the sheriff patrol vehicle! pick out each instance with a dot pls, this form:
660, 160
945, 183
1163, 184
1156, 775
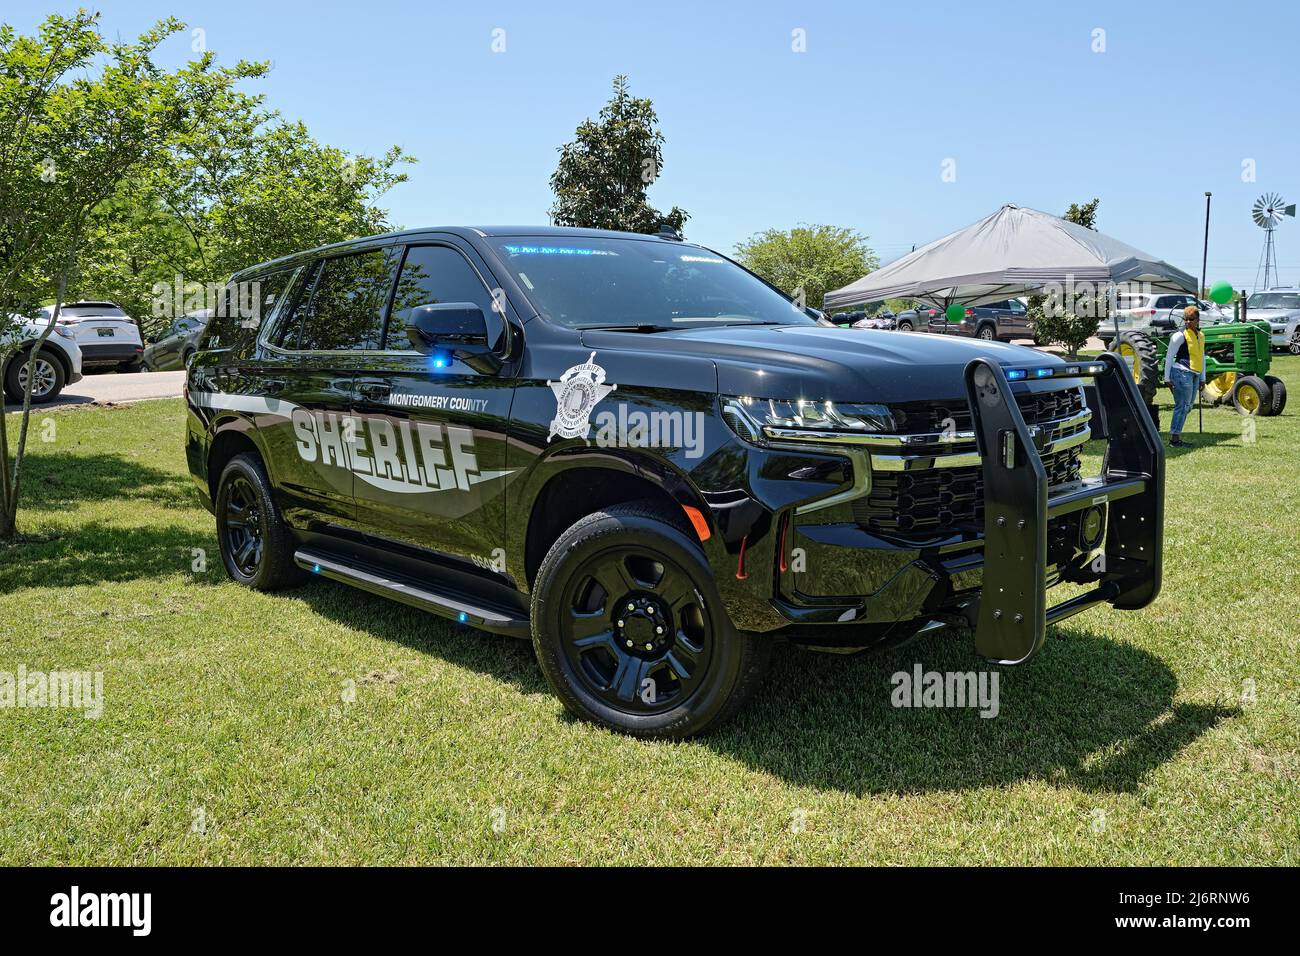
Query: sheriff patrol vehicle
652, 463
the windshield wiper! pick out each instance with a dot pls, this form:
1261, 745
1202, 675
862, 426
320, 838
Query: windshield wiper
643, 327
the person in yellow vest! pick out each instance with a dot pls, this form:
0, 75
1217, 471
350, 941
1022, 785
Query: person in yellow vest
1185, 371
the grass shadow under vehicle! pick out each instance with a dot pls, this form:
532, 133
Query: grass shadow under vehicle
1088, 712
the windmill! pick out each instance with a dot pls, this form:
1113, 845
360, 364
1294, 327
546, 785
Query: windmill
1267, 213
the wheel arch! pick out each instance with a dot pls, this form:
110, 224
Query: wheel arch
594, 482
24, 348
231, 437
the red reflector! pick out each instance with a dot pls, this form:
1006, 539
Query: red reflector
698, 522
785, 526
740, 564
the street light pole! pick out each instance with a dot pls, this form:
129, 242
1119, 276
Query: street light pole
1205, 249
1205, 255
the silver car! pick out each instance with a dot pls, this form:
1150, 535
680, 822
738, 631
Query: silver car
1280, 308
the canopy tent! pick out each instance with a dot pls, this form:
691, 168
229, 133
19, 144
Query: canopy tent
1010, 253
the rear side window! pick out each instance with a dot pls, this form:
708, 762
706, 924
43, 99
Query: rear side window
430, 275
346, 311
244, 307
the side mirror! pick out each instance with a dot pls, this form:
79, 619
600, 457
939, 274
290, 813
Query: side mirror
458, 327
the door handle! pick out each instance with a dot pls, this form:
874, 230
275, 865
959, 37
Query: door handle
374, 391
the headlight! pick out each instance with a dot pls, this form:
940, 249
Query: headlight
760, 419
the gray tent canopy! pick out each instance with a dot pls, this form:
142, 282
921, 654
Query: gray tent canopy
1012, 252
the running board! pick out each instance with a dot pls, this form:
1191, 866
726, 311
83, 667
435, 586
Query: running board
417, 594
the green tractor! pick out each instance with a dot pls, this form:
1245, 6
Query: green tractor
1236, 370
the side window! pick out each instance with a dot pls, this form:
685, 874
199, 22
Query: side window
433, 274
346, 312
1016, 306
242, 309
1169, 301
288, 330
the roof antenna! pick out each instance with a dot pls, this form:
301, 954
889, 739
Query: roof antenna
666, 231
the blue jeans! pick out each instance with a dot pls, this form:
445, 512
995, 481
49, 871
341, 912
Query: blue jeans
1186, 384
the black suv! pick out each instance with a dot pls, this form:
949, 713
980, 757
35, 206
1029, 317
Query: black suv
652, 463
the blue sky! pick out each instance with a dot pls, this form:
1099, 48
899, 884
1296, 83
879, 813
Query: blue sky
853, 132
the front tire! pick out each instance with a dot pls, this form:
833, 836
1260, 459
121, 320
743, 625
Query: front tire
630, 631
905, 325
256, 544
1251, 396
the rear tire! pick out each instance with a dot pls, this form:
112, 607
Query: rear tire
630, 631
1251, 396
1277, 389
986, 332
256, 544
49, 378
1138, 350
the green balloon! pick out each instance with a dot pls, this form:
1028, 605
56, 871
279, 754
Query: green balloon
1221, 293
955, 312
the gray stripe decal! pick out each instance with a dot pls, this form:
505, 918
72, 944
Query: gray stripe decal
226, 401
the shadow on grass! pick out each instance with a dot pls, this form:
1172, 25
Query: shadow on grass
97, 553
1087, 712
52, 482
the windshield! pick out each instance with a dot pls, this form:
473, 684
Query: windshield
1274, 300
642, 283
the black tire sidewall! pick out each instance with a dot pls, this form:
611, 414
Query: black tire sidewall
276, 567
586, 539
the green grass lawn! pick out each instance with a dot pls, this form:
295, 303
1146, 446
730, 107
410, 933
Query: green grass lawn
327, 726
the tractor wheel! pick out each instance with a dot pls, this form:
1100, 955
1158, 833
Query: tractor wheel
1277, 388
1251, 396
1218, 390
1138, 350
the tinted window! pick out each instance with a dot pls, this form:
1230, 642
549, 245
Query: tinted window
346, 312
589, 282
430, 275
245, 305
107, 310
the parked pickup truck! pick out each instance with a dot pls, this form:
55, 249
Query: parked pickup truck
653, 464
996, 321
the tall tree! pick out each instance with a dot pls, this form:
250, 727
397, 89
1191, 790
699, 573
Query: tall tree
808, 259
1070, 320
603, 175
78, 116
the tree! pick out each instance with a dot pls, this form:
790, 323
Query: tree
242, 189
812, 259
78, 116
1084, 215
1069, 319
603, 175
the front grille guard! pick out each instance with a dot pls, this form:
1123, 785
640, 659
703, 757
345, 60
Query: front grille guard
1013, 613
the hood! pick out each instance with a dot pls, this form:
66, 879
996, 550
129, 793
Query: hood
845, 365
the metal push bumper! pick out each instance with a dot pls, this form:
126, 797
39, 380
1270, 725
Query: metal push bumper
1013, 613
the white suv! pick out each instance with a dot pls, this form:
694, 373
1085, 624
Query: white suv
57, 365
1280, 308
109, 338
1138, 311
